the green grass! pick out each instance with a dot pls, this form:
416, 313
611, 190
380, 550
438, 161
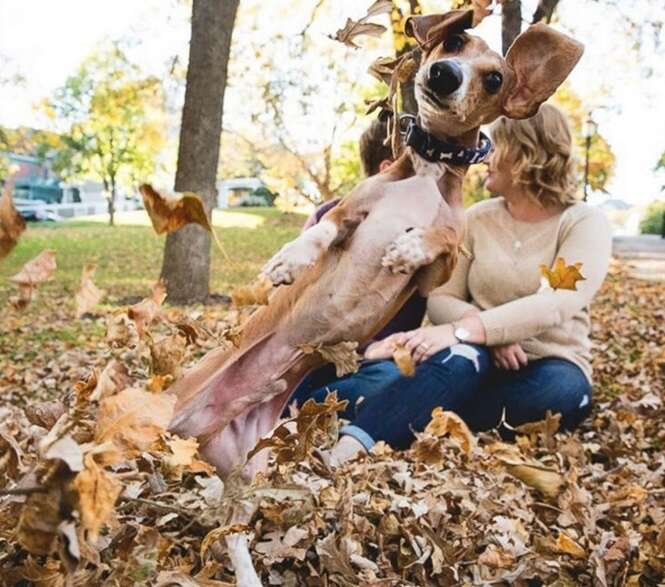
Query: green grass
129, 257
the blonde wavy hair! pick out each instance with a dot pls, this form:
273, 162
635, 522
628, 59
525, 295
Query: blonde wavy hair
539, 151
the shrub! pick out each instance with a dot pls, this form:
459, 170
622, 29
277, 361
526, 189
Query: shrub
653, 220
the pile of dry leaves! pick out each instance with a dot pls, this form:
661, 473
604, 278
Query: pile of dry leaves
97, 492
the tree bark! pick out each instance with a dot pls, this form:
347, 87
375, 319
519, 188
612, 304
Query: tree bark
186, 265
511, 23
544, 11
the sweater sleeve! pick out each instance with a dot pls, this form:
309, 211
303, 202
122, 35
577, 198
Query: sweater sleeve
589, 241
450, 301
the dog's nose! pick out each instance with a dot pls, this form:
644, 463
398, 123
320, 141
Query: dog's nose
445, 77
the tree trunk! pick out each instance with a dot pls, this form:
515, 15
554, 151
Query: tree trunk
544, 11
112, 203
186, 266
511, 23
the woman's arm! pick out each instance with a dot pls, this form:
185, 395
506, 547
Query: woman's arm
450, 301
588, 241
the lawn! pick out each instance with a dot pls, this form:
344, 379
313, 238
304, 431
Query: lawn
129, 256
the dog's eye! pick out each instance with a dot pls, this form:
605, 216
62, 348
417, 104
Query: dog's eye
453, 44
492, 82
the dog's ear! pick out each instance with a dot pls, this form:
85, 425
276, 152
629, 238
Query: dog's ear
431, 29
540, 59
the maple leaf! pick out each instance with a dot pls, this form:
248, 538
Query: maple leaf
343, 355
11, 221
404, 361
133, 419
88, 295
34, 272
357, 28
147, 310
562, 276
97, 492
182, 450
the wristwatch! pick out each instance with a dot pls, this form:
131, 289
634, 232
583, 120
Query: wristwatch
460, 333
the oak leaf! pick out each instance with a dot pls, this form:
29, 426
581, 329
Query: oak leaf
133, 419
97, 492
88, 295
11, 221
562, 276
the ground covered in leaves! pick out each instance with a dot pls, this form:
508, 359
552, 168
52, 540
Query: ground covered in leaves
96, 492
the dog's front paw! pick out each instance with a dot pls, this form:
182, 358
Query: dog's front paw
290, 262
407, 253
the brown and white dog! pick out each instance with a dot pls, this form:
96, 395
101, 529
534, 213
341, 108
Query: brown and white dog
396, 232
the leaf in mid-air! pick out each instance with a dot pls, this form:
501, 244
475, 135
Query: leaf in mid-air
169, 213
357, 28
562, 276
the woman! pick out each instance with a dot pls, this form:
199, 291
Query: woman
503, 347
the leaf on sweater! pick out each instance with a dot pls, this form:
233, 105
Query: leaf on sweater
343, 355
88, 295
133, 419
562, 276
11, 221
146, 311
97, 492
169, 213
404, 361
34, 272
256, 293
357, 28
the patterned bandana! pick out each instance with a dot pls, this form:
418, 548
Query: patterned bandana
436, 151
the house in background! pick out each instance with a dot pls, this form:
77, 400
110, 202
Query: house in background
243, 191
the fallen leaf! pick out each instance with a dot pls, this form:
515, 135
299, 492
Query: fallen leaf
67, 450
404, 361
11, 221
88, 295
133, 419
45, 414
343, 355
566, 545
113, 379
118, 331
97, 492
562, 276
147, 310
496, 557
445, 423
167, 355
182, 450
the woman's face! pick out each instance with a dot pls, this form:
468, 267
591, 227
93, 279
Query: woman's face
499, 177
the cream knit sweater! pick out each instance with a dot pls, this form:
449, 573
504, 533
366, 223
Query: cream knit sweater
503, 281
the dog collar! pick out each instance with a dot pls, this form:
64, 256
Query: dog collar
437, 151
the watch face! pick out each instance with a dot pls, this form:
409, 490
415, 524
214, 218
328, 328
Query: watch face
462, 333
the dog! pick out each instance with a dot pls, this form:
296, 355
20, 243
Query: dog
346, 277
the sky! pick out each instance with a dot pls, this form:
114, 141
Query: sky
44, 41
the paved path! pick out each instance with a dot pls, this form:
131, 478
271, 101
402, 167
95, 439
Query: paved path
644, 255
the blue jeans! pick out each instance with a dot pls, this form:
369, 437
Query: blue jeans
464, 380
371, 379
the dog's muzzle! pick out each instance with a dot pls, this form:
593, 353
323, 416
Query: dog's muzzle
444, 77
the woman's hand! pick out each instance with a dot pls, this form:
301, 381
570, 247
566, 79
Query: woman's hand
421, 342
509, 356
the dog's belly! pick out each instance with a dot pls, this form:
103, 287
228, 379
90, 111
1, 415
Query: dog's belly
354, 291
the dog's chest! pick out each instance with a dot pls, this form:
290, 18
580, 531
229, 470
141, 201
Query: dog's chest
410, 203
